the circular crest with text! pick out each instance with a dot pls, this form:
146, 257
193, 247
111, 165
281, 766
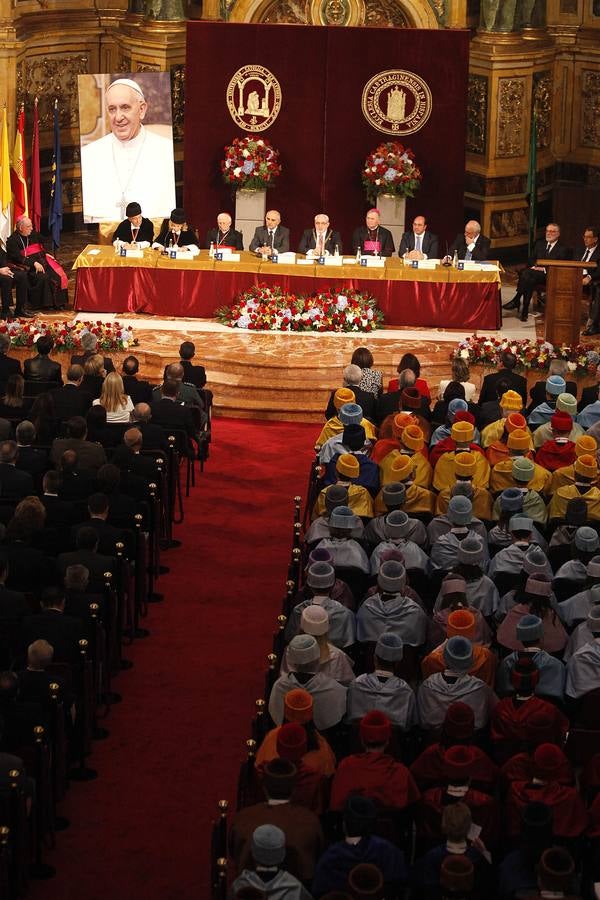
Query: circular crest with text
253, 98
396, 102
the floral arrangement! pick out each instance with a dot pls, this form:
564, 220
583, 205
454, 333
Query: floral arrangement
391, 169
68, 335
250, 163
538, 354
263, 308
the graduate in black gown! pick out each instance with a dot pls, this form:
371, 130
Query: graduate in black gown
135, 229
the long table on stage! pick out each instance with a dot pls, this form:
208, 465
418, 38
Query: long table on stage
155, 284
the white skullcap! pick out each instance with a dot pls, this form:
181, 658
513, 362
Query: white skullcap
128, 82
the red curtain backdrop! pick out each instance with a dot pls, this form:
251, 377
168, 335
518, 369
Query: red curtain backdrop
320, 131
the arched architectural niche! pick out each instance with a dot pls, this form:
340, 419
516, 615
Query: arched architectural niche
375, 13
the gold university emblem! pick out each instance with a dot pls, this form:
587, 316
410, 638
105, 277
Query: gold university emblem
253, 98
396, 102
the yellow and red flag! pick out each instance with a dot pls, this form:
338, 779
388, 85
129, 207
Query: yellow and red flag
18, 175
5, 191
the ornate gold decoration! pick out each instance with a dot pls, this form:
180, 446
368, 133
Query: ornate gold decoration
148, 67
125, 64
178, 100
385, 14
509, 139
334, 12
477, 100
509, 223
396, 102
253, 98
71, 192
287, 12
542, 104
590, 109
50, 78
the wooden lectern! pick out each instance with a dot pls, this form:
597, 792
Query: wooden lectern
563, 299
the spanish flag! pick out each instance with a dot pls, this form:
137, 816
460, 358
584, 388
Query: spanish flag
18, 175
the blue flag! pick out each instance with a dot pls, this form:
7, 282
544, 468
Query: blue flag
55, 209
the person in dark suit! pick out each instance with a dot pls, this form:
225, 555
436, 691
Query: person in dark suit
29, 458
13, 604
406, 399
59, 513
90, 455
140, 391
9, 278
122, 507
89, 344
169, 413
192, 374
419, 243
70, 400
590, 252
365, 399
176, 233
224, 235
515, 382
153, 435
320, 240
41, 368
8, 365
75, 484
270, 237
87, 555
98, 508
470, 245
372, 239
14, 483
135, 229
534, 276
589, 394
129, 458
62, 632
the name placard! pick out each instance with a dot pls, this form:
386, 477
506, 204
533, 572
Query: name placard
372, 262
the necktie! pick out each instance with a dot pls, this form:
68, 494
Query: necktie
586, 255
320, 245
468, 255
548, 247
418, 242
271, 238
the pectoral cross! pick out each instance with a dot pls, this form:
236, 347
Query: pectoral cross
122, 206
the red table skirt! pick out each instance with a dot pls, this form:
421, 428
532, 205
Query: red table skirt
197, 294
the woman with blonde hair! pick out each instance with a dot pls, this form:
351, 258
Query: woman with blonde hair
116, 402
460, 373
94, 374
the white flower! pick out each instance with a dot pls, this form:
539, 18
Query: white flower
245, 153
513, 349
125, 345
237, 171
464, 354
373, 168
378, 181
260, 143
572, 366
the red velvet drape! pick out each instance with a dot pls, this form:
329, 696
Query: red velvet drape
320, 132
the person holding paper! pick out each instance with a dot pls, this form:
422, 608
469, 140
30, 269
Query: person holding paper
135, 230
271, 238
472, 245
224, 237
175, 235
320, 240
534, 276
419, 243
372, 239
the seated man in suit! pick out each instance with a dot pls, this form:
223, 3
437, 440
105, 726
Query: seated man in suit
41, 368
507, 373
62, 632
419, 243
470, 245
8, 365
534, 276
140, 391
176, 234
320, 240
192, 373
29, 458
224, 235
271, 237
135, 230
90, 455
14, 483
373, 239
89, 344
169, 412
153, 435
86, 555
590, 252
70, 400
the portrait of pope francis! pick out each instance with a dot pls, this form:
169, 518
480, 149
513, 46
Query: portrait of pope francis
124, 158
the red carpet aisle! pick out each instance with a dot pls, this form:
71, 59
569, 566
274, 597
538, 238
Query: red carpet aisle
141, 829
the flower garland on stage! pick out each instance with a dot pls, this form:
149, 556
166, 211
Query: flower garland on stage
391, 169
68, 335
264, 308
250, 163
531, 354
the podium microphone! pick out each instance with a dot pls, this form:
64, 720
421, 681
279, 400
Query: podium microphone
447, 261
